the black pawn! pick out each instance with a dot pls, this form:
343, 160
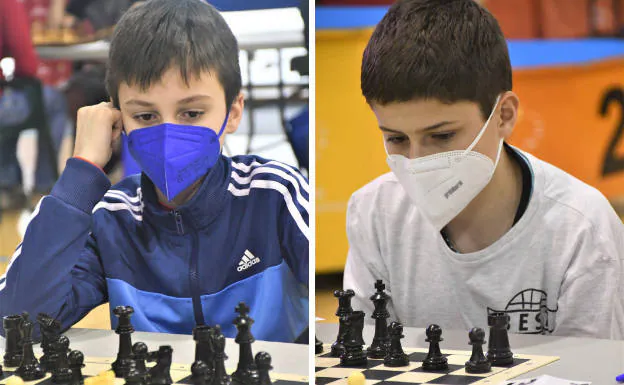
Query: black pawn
318, 346
499, 351
61, 373
200, 373
139, 355
29, 369
477, 363
124, 362
50, 332
203, 348
246, 372
218, 344
344, 309
76, 363
12, 325
396, 357
379, 346
354, 355
435, 361
136, 378
263, 362
160, 374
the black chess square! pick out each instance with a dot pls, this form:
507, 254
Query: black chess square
451, 368
185, 380
324, 380
420, 356
451, 379
372, 374
6, 374
398, 383
47, 381
326, 355
318, 368
516, 362
374, 363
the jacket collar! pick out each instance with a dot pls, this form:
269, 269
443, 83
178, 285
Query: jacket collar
195, 214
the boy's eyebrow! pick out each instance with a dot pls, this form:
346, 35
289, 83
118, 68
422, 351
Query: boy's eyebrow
189, 99
428, 128
194, 98
137, 102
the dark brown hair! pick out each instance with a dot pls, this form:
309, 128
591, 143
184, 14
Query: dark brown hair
449, 50
160, 34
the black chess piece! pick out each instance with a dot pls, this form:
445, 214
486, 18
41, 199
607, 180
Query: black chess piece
263, 363
246, 372
435, 361
344, 308
354, 355
200, 373
61, 373
139, 355
477, 363
50, 332
499, 352
12, 325
29, 369
203, 348
124, 361
396, 357
379, 346
220, 376
160, 374
76, 363
136, 377
318, 346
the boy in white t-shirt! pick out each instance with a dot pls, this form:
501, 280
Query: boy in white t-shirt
466, 225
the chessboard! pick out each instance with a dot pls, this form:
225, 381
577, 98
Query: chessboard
180, 373
329, 371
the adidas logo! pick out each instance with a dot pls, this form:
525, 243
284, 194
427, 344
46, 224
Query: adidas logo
247, 261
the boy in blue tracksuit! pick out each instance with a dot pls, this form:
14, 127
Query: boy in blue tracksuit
196, 232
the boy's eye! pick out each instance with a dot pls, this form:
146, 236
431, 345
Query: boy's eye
443, 135
192, 114
395, 139
144, 118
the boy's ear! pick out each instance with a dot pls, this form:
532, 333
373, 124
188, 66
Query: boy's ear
508, 113
236, 114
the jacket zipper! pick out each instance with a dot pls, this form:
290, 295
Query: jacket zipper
193, 270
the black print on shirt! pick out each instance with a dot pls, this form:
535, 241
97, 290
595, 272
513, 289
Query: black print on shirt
529, 313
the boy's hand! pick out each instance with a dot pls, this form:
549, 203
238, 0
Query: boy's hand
96, 129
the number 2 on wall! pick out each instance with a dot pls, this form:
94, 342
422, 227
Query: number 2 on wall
612, 163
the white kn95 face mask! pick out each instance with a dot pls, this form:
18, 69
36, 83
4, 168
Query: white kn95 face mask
442, 185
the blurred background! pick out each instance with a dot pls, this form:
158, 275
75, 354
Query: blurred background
568, 62
53, 57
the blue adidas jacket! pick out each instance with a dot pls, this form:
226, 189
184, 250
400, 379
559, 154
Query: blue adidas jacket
242, 237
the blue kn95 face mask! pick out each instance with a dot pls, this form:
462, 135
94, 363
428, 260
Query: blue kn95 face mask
174, 156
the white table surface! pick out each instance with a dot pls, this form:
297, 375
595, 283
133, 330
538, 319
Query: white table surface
259, 29
582, 359
286, 358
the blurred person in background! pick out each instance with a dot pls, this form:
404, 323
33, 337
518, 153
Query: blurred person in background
15, 42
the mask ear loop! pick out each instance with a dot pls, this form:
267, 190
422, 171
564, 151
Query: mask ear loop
227, 115
480, 134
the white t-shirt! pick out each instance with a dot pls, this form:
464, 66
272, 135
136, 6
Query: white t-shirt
556, 271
